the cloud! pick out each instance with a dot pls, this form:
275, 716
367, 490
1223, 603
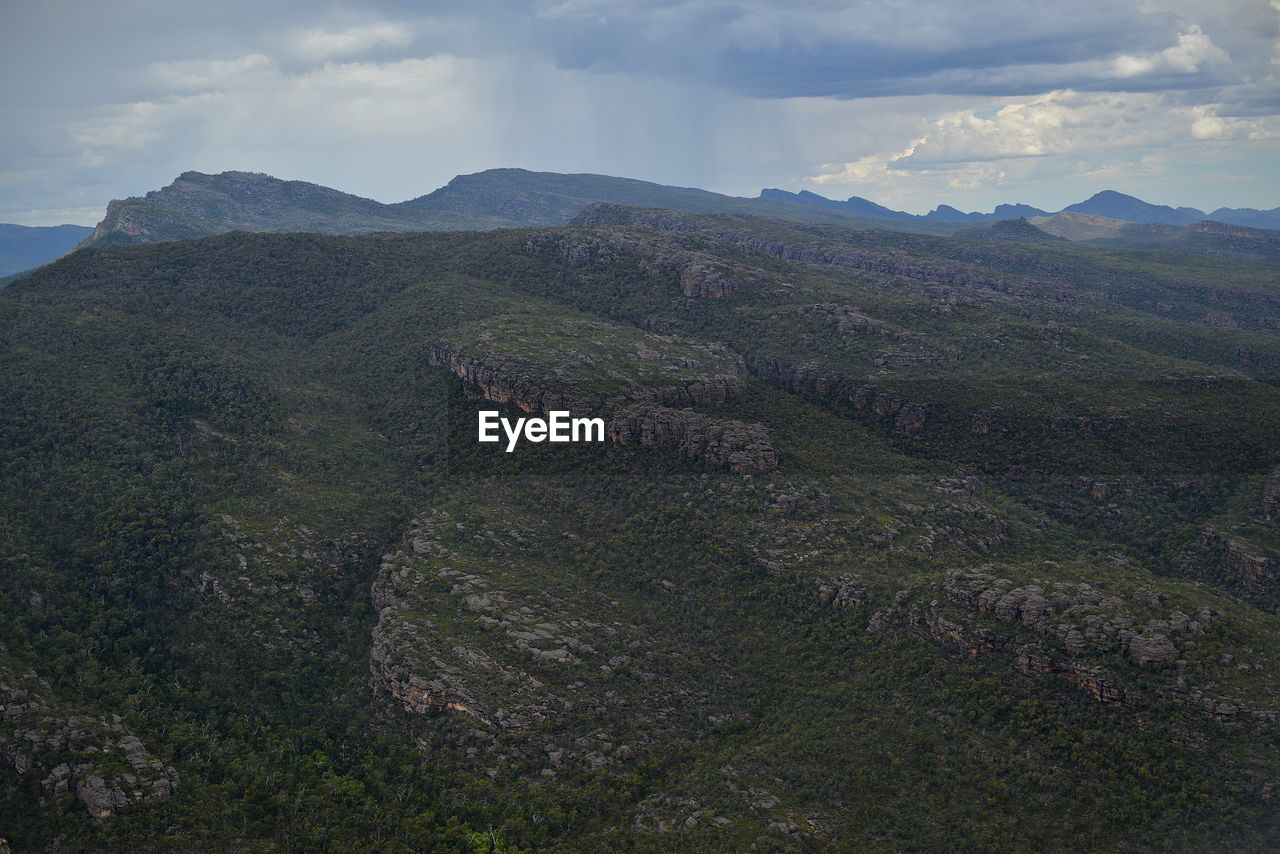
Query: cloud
1088, 135
1193, 51
352, 41
901, 101
863, 49
196, 75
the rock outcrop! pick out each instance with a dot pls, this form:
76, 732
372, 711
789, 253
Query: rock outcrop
94, 757
1114, 649
536, 388
637, 414
908, 418
532, 676
736, 445
1242, 563
1271, 496
699, 275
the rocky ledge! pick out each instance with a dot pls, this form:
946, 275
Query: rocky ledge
735, 445
908, 418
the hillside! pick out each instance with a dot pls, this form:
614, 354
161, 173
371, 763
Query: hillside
1009, 230
23, 247
886, 528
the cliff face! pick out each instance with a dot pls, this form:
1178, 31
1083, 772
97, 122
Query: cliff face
735, 445
1242, 563
908, 418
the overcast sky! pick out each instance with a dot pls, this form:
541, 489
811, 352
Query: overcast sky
910, 103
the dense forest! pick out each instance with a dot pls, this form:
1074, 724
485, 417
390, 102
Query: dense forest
890, 530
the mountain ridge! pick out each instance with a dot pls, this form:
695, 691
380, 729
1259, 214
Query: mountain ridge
198, 204
1106, 203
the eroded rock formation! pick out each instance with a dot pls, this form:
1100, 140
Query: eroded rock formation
94, 757
736, 445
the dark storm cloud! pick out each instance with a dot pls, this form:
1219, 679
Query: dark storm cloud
850, 50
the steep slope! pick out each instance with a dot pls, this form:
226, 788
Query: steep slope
1015, 543
24, 247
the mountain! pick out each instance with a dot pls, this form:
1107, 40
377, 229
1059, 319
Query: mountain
854, 204
1108, 204
1205, 237
859, 205
197, 205
1113, 205
23, 247
1009, 230
1016, 211
1249, 217
1079, 226
887, 534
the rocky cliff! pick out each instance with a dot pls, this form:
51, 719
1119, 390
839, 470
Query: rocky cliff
735, 445
908, 418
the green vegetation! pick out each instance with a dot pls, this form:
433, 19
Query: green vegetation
211, 451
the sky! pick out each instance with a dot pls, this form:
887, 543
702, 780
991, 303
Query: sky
910, 103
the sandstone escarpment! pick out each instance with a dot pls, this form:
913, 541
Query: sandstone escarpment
1114, 649
1242, 563
736, 445
908, 418
506, 385
699, 275
636, 367
93, 757
637, 414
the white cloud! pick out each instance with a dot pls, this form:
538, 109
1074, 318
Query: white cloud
196, 75
1194, 51
353, 41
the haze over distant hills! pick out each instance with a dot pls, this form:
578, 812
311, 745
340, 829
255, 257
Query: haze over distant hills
1107, 203
23, 247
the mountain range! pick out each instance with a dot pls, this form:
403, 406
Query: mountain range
198, 205
1107, 203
